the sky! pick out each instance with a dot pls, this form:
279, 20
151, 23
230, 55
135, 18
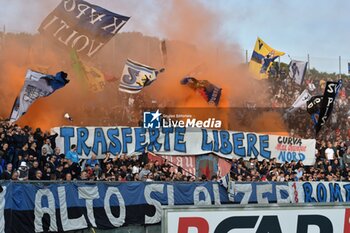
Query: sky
298, 28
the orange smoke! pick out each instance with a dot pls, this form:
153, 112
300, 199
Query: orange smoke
190, 29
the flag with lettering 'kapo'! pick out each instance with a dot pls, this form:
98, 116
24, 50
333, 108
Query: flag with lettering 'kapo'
79, 25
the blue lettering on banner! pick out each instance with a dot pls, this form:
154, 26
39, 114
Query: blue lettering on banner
300, 192
288, 156
169, 140
308, 192
226, 146
251, 140
347, 192
127, 138
335, 193
82, 136
67, 133
216, 140
99, 139
140, 139
167, 132
321, 193
264, 144
115, 145
153, 137
238, 144
206, 146
180, 144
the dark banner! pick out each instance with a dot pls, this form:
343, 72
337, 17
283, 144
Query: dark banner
81, 26
74, 206
330, 93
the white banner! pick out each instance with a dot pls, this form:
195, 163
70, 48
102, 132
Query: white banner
184, 141
288, 192
301, 219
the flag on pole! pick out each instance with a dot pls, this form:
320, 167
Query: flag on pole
348, 67
36, 85
94, 78
136, 76
329, 96
262, 58
297, 71
78, 68
81, 26
163, 52
300, 102
313, 107
225, 181
314, 104
208, 91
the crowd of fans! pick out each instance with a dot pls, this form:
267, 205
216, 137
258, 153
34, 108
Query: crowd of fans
32, 155
27, 154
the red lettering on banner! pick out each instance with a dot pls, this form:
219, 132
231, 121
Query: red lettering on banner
292, 148
347, 221
296, 199
200, 223
281, 147
297, 148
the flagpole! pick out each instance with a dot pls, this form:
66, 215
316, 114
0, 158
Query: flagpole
3, 37
279, 64
308, 62
246, 56
339, 67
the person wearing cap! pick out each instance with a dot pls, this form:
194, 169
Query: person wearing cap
23, 171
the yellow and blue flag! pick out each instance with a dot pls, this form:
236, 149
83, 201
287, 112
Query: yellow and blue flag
90, 76
262, 58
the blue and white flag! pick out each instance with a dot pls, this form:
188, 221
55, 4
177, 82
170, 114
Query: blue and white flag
36, 85
136, 76
225, 181
81, 26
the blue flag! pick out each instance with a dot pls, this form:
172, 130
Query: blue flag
36, 85
81, 26
208, 91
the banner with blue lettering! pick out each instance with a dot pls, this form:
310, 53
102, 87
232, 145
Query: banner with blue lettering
184, 141
79, 25
288, 192
72, 206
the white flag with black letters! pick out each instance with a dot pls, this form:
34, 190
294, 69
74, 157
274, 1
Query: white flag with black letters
300, 102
